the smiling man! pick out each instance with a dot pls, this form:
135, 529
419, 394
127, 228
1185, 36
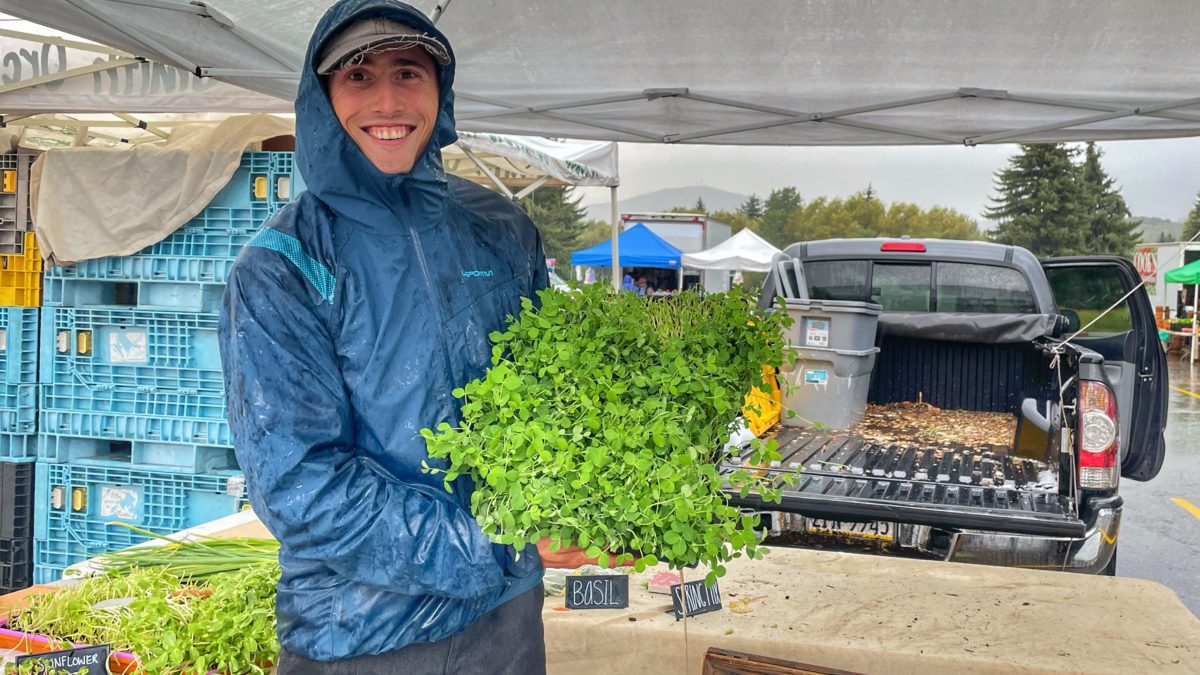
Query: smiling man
347, 323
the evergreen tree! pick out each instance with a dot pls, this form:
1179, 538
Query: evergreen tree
699, 208
559, 218
1042, 202
752, 208
1192, 225
778, 210
1112, 230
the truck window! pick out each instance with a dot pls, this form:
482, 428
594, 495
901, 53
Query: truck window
963, 287
837, 279
1088, 291
901, 288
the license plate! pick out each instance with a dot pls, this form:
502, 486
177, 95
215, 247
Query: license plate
874, 530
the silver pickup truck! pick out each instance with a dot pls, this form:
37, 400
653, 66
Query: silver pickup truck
973, 326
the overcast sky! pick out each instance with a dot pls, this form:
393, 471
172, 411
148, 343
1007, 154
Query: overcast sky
1157, 178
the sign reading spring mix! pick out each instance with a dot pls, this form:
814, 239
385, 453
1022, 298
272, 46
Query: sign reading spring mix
1146, 261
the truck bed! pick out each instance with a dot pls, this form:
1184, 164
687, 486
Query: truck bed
845, 476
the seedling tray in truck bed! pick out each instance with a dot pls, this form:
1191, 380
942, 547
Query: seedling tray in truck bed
846, 477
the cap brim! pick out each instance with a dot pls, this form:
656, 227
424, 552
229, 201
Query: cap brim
338, 58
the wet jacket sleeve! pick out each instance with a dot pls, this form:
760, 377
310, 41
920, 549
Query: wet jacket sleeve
290, 417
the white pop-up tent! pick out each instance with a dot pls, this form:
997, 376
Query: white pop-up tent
788, 72
745, 251
766, 72
42, 70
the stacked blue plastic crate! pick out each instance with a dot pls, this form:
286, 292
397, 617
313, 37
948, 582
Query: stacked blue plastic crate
18, 387
132, 409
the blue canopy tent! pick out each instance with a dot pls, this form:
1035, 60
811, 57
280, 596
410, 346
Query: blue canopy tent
638, 246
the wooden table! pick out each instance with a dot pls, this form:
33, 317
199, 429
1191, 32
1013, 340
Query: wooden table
877, 614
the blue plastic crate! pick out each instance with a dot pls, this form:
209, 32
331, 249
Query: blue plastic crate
18, 447
188, 458
244, 218
286, 181
130, 349
262, 182
183, 295
125, 427
75, 504
250, 183
46, 575
194, 256
132, 374
18, 386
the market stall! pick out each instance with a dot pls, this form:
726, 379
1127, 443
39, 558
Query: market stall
1188, 275
869, 614
636, 247
744, 251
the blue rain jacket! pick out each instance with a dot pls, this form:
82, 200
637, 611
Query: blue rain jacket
346, 323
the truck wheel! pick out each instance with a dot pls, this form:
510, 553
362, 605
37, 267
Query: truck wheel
1110, 570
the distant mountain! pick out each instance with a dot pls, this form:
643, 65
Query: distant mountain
1154, 229
667, 199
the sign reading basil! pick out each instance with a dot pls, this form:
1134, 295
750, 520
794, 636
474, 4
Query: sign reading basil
93, 660
606, 591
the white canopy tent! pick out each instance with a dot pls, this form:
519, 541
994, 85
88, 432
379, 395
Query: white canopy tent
744, 251
764, 72
42, 70
786, 72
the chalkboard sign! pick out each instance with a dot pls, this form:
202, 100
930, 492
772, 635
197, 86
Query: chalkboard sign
94, 659
601, 591
701, 598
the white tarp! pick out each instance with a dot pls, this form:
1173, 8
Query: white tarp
593, 164
788, 72
744, 251
36, 75
97, 202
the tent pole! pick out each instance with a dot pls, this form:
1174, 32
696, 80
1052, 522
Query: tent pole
1195, 301
616, 233
531, 187
487, 172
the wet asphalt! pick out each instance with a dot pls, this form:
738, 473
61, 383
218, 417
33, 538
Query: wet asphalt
1160, 529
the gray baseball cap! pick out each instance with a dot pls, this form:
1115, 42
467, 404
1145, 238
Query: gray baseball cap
374, 35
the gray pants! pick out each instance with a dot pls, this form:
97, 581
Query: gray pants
506, 641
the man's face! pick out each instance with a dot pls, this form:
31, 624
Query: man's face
388, 103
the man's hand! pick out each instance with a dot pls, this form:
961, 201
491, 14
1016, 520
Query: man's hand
572, 557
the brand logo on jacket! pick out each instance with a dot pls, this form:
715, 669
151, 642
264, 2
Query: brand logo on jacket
477, 273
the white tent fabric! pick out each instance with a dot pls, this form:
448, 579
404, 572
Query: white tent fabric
97, 202
789, 72
744, 251
42, 70
593, 164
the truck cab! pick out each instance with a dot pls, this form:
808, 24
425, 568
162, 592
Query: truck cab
1066, 350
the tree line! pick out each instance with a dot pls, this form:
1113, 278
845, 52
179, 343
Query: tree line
1053, 199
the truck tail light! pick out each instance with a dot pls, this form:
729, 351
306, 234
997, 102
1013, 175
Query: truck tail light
903, 246
1098, 468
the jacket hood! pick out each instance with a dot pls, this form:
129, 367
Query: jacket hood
335, 170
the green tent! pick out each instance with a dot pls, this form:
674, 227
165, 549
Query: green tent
1188, 274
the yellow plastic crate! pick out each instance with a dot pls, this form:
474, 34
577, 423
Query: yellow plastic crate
21, 276
769, 405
